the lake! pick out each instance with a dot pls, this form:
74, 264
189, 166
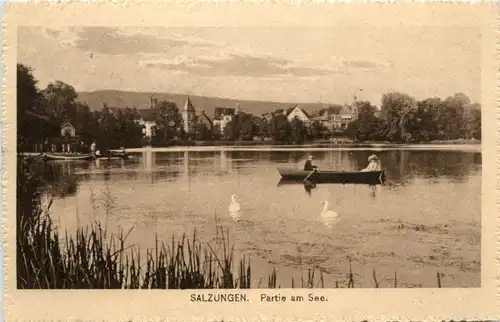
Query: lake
425, 219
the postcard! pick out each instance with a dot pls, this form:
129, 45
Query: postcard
250, 161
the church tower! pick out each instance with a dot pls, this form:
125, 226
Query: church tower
188, 114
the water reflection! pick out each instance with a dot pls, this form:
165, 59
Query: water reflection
308, 186
234, 208
402, 166
327, 216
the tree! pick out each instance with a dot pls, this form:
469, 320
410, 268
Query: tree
28, 95
318, 130
106, 123
28, 99
298, 131
264, 129
59, 99
279, 128
127, 132
472, 121
367, 126
203, 132
397, 109
424, 124
455, 120
241, 127
168, 123
334, 109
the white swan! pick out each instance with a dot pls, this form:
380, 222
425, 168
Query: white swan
328, 216
234, 206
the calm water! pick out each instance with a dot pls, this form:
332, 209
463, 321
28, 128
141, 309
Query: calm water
426, 218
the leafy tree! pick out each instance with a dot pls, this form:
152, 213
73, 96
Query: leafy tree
334, 109
127, 132
318, 130
298, 131
59, 100
397, 109
241, 127
472, 121
264, 128
367, 126
28, 99
455, 121
203, 133
169, 123
279, 128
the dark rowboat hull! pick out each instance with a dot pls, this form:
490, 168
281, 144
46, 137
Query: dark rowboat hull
359, 177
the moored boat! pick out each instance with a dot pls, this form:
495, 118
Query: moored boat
110, 157
118, 154
360, 177
66, 157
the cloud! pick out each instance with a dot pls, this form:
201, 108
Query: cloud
238, 65
113, 41
364, 64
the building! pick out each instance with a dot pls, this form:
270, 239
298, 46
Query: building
267, 116
69, 141
67, 130
297, 112
222, 116
188, 114
336, 121
203, 118
147, 119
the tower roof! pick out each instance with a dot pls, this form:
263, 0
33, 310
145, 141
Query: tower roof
188, 106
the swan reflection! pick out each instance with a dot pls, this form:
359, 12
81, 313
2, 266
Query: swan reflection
328, 217
234, 209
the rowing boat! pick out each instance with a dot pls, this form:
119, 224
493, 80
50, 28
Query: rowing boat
75, 157
118, 154
360, 177
67, 157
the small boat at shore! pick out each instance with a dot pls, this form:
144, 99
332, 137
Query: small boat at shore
50, 156
66, 157
356, 177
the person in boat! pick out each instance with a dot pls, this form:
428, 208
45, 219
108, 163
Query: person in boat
309, 166
92, 147
373, 164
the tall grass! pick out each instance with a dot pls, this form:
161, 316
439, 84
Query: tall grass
93, 258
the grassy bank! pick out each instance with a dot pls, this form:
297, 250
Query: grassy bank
92, 257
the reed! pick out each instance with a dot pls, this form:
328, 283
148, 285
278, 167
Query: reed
91, 258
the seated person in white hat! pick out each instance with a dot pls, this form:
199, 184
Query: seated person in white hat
373, 164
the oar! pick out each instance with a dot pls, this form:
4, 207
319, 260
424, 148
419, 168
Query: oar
309, 175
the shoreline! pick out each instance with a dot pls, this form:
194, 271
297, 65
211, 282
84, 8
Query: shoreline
470, 147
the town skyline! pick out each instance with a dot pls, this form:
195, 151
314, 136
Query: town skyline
334, 64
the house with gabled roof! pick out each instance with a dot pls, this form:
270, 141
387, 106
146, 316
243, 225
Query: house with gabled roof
297, 112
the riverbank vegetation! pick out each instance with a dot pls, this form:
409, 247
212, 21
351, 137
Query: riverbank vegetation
400, 119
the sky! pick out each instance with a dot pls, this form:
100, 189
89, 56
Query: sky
277, 63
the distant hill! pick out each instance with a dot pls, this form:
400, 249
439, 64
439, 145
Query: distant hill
140, 100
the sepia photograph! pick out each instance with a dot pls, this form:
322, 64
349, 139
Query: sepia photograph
170, 161
248, 157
